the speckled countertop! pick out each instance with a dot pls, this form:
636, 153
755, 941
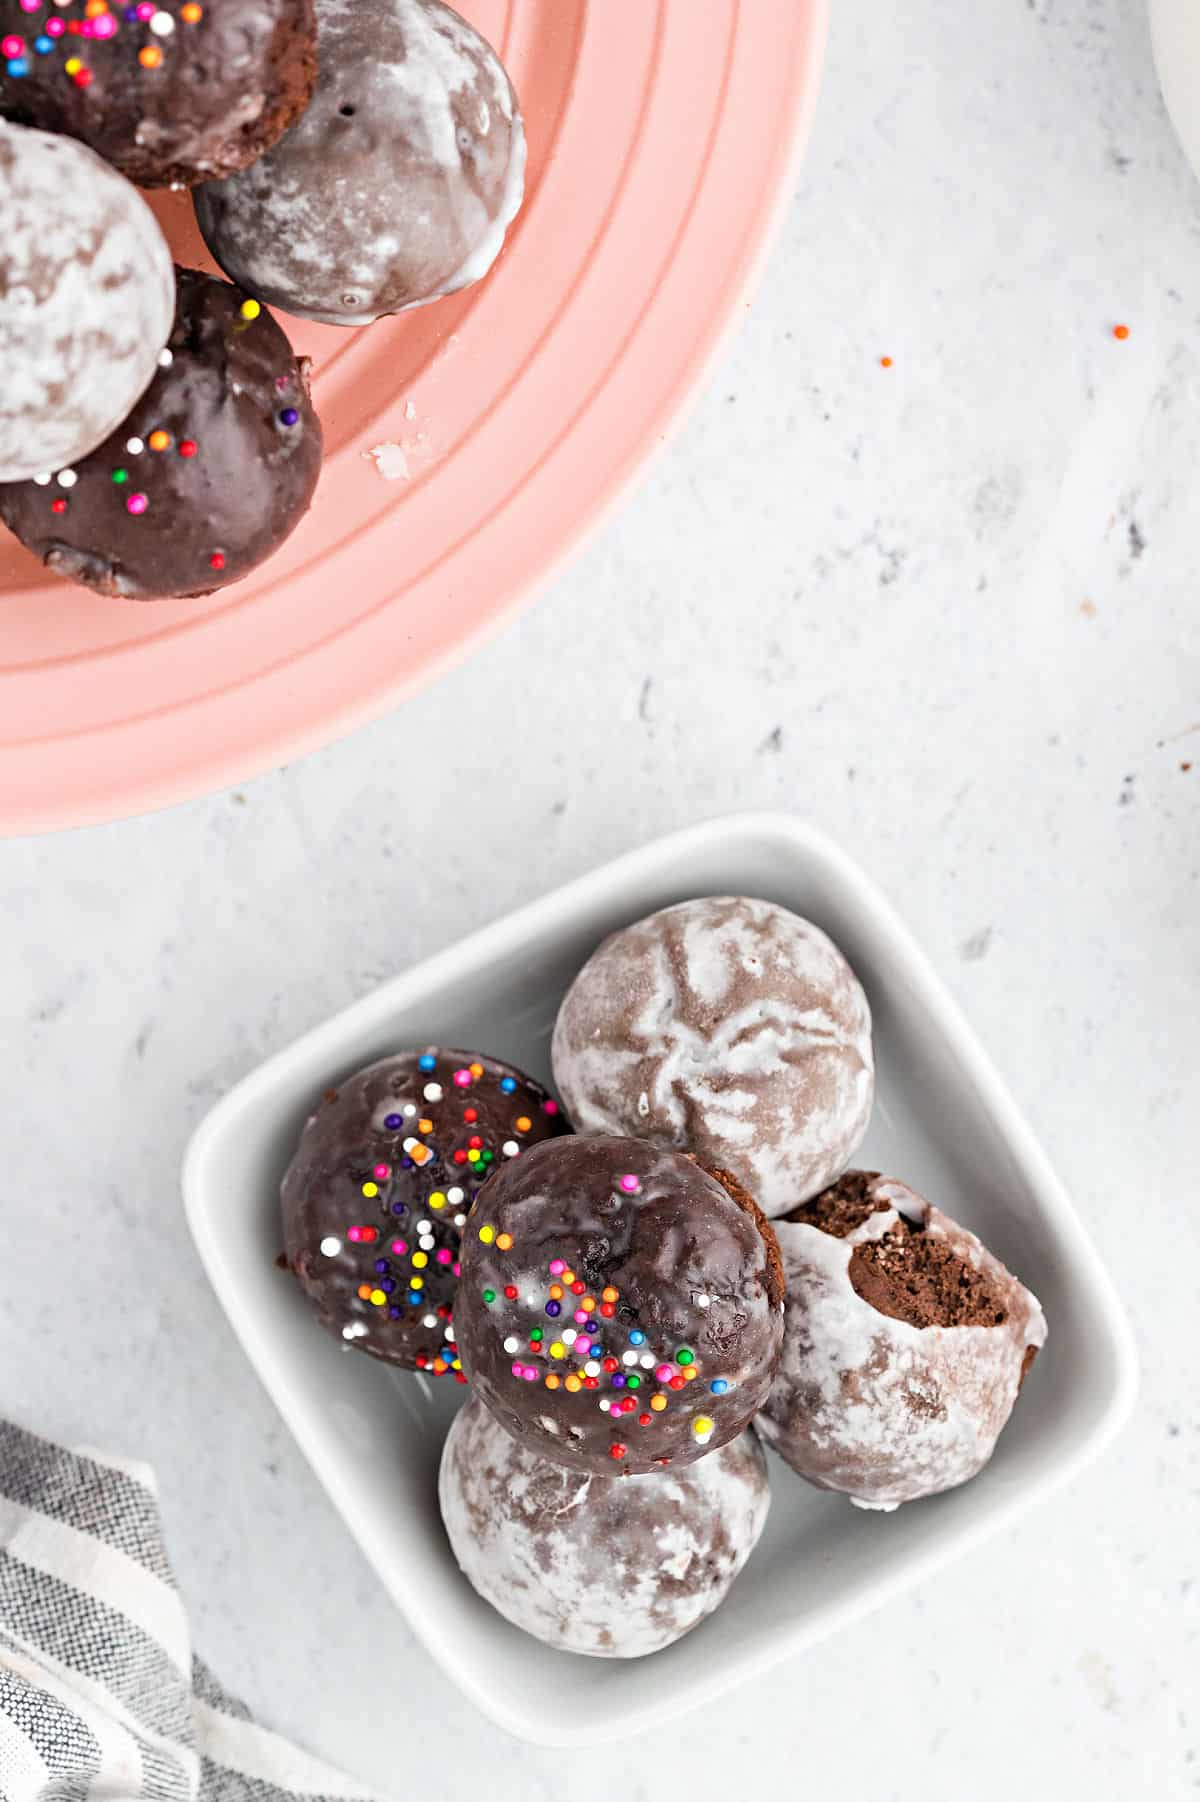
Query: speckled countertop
946, 610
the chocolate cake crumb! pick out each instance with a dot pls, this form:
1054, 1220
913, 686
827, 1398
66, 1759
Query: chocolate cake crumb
841, 1209
914, 1276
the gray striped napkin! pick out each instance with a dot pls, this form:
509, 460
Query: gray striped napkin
100, 1696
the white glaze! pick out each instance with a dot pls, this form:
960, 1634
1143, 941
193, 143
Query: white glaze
730, 1027
615, 1567
390, 461
87, 298
405, 220
490, 241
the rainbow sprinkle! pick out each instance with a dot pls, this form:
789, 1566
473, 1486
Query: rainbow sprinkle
158, 440
597, 1353
433, 1136
77, 28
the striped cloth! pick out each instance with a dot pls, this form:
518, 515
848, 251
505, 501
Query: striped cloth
101, 1699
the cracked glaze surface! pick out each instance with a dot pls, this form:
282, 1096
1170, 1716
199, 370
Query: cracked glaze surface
729, 1027
612, 1566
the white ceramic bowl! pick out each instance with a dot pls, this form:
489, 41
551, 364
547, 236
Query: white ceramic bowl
943, 1121
1175, 34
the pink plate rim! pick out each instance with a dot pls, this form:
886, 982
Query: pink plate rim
156, 755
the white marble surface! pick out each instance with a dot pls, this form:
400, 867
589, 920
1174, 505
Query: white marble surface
949, 612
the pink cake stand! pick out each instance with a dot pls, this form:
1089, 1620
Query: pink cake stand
664, 139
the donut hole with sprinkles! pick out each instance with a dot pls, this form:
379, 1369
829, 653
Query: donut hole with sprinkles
574, 1281
374, 1201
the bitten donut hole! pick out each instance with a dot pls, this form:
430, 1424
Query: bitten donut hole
915, 1276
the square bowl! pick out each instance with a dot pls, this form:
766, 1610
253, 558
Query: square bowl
943, 1121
